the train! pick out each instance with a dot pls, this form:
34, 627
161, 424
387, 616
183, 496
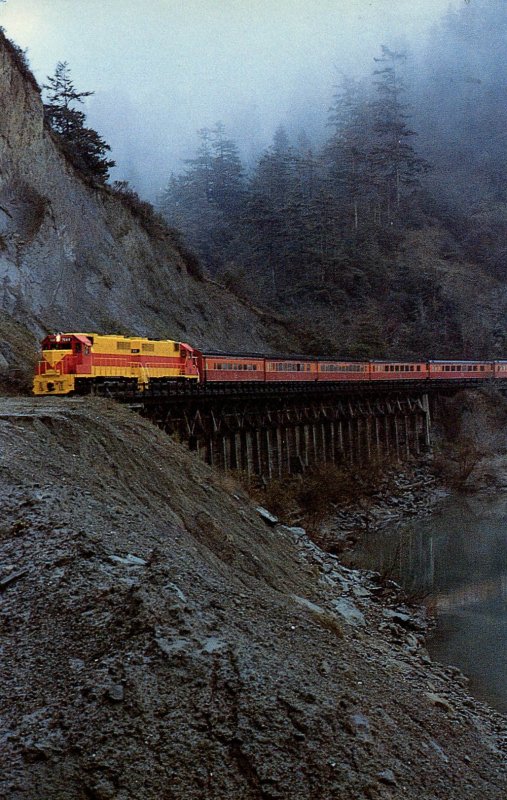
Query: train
80, 363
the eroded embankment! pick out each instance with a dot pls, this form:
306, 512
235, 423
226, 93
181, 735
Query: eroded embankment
160, 640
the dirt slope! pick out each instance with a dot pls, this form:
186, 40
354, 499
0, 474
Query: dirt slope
160, 640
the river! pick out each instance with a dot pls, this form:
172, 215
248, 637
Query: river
455, 561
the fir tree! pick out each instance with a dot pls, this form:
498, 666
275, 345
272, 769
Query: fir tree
348, 152
206, 201
395, 163
227, 172
85, 147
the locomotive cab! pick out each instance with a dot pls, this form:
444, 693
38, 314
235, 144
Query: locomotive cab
62, 355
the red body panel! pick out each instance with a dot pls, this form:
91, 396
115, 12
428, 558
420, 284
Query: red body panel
343, 371
291, 370
231, 368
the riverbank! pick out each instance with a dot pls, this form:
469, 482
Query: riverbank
455, 562
402, 492
439, 532
469, 457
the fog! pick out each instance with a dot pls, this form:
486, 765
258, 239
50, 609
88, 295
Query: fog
162, 69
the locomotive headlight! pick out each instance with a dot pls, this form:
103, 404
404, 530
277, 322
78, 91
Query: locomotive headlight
58, 337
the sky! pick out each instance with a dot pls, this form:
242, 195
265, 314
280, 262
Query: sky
163, 69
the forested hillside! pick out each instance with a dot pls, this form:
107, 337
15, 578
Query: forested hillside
460, 105
389, 238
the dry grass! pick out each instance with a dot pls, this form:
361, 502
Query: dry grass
313, 497
20, 59
470, 429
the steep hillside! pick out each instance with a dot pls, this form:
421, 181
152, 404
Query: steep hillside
161, 641
74, 256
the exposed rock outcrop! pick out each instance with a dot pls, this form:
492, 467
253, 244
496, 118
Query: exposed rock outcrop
74, 256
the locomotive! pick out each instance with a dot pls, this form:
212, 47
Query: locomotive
75, 362
80, 362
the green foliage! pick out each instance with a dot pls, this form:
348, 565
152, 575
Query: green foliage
206, 200
306, 226
86, 149
395, 163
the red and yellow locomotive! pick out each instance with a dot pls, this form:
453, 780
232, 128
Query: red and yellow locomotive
74, 361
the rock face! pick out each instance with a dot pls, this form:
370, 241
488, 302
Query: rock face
161, 639
73, 256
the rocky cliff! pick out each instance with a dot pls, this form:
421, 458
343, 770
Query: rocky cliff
74, 256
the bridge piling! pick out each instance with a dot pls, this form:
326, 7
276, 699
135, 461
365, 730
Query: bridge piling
268, 451
225, 456
279, 451
350, 441
306, 444
340, 440
427, 419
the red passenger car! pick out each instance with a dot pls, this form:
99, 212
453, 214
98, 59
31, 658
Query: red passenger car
217, 367
398, 370
464, 370
500, 369
291, 370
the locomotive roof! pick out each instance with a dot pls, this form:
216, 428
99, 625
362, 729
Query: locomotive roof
81, 337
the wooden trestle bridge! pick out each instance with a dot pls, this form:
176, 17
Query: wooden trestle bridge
271, 431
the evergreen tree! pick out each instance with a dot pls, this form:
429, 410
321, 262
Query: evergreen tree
205, 202
395, 163
227, 172
271, 216
84, 145
348, 152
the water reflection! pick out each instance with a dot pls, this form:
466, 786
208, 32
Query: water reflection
456, 561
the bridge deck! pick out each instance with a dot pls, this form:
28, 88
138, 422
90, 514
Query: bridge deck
174, 391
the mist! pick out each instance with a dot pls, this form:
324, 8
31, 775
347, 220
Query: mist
163, 69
